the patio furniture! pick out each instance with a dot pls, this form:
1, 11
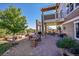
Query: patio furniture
30, 37
62, 35
39, 36
34, 41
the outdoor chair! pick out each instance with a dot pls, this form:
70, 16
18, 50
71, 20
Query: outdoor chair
34, 41
39, 36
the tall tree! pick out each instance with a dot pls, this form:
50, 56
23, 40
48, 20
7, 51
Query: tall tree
12, 20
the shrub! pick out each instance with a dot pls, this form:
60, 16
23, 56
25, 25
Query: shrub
4, 47
66, 42
75, 50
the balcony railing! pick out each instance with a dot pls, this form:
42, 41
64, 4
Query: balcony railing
50, 16
54, 16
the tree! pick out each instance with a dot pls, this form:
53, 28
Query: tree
30, 30
12, 20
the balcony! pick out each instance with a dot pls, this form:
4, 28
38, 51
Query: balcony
49, 16
57, 17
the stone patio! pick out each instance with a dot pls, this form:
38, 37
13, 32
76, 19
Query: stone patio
47, 47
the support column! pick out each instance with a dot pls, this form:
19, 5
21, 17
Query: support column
45, 28
39, 27
42, 19
36, 26
56, 13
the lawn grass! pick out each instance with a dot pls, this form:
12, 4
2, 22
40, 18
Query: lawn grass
4, 47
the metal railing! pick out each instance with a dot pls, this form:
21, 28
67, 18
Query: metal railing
55, 16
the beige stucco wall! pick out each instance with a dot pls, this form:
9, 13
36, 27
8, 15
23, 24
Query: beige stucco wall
69, 29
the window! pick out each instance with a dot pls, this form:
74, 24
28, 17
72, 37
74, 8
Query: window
76, 28
67, 8
61, 14
77, 4
71, 6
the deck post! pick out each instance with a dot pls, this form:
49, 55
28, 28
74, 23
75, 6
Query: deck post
42, 19
36, 26
45, 29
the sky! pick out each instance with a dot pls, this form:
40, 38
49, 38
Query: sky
30, 10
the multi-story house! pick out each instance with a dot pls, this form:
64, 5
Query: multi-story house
66, 15
71, 20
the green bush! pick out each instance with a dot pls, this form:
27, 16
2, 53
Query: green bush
75, 50
66, 42
4, 47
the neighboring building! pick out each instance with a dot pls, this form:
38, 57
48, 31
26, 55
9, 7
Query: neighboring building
66, 15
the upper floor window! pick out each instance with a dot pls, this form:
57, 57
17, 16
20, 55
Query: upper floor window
77, 4
68, 8
61, 14
71, 6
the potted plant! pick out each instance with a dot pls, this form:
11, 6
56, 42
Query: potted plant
65, 43
59, 29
